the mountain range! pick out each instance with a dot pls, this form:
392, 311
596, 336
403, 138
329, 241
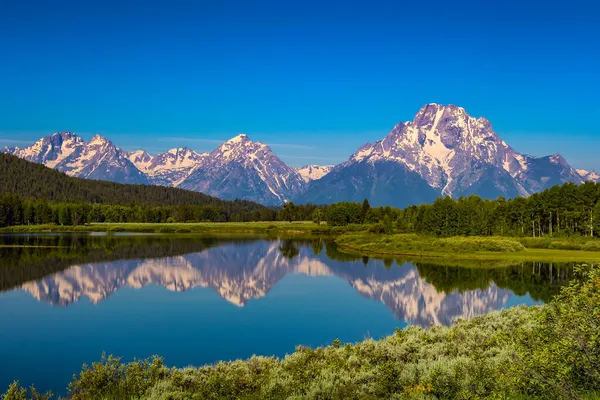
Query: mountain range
442, 151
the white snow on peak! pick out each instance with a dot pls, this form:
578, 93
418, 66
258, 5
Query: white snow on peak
238, 139
591, 175
97, 139
313, 172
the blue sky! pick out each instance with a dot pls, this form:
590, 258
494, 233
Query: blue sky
314, 80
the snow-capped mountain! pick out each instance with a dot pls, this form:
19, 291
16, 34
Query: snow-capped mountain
443, 151
591, 176
96, 159
313, 172
170, 168
241, 168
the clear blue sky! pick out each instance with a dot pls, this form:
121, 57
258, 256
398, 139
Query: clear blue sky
315, 79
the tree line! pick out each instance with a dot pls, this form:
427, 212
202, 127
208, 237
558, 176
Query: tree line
565, 210
15, 210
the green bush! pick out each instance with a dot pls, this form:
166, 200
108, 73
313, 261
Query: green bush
591, 246
15, 392
377, 228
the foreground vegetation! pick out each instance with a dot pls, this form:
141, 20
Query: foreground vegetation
545, 352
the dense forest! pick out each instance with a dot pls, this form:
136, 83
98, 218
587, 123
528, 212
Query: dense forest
34, 194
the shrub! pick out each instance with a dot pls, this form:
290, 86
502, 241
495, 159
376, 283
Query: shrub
377, 228
15, 392
593, 245
560, 356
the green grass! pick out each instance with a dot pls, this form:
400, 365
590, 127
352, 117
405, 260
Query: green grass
302, 227
462, 248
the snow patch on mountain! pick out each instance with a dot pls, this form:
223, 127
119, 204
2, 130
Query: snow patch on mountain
313, 172
589, 176
170, 168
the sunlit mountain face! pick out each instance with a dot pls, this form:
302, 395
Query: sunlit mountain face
248, 270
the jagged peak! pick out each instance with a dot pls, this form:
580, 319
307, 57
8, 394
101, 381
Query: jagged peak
98, 139
139, 153
65, 134
558, 159
241, 138
183, 151
436, 106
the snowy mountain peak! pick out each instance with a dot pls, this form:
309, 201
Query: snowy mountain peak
591, 176
455, 153
181, 151
242, 166
241, 138
239, 148
65, 135
313, 172
98, 140
140, 154
558, 159
170, 168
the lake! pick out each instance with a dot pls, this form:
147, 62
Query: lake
66, 299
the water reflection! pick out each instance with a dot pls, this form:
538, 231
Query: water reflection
241, 270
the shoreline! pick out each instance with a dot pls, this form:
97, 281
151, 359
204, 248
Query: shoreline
356, 240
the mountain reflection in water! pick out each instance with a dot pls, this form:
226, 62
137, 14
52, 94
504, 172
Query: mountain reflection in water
241, 270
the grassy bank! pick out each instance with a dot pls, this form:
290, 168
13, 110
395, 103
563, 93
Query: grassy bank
470, 248
303, 227
547, 352
356, 239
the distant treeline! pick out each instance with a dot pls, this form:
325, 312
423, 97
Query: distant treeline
561, 210
15, 210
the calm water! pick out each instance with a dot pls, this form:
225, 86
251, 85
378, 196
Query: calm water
64, 300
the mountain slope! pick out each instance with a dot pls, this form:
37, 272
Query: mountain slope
35, 181
97, 159
241, 168
383, 183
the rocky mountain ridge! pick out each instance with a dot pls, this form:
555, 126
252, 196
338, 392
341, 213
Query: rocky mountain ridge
442, 151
